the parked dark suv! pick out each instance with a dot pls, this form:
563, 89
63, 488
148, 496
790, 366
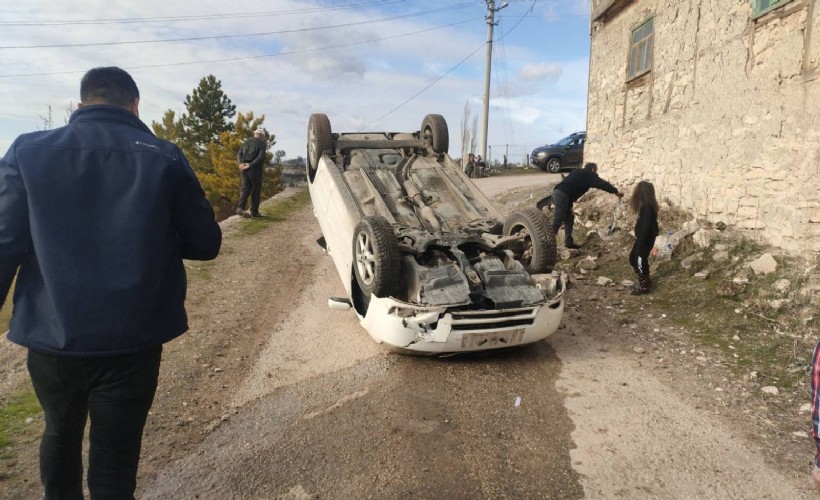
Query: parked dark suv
566, 153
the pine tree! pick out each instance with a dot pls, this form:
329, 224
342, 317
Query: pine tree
208, 115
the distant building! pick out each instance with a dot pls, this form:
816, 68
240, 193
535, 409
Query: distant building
716, 102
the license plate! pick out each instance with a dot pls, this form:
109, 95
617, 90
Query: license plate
492, 339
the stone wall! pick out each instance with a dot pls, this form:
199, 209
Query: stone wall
726, 124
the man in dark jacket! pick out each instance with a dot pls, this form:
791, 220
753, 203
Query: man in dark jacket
567, 192
95, 219
251, 159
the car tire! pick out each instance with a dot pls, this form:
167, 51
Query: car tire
539, 252
553, 165
320, 139
376, 259
434, 129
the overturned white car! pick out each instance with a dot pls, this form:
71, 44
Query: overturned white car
423, 255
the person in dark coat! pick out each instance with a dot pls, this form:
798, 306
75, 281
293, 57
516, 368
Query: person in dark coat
95, 219
567, 192
644, 203
469, 168
251, 159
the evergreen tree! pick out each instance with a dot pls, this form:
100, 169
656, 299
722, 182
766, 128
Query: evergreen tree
170, 128
208, 115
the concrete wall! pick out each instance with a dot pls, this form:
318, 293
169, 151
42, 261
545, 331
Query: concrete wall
727, 123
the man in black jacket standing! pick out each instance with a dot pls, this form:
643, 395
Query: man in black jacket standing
567, 192
251, 159
95, 219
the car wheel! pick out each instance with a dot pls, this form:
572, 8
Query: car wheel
320, 139
539, 253
434, 129
554, 165
376, 257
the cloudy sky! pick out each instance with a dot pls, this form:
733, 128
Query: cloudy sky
367, 64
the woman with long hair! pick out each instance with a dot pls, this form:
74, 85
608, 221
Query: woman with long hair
644, 203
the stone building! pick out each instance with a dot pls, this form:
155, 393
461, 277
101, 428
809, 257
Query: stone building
717, 102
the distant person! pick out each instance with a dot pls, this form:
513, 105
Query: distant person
469, 168
815, 412
251, 159
479, 167
644, 203
567, 192
96, 218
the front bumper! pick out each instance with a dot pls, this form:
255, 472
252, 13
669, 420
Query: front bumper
442, 330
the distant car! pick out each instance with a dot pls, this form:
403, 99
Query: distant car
425, 260
566, 153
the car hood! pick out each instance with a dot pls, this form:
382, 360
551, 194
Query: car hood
543, 148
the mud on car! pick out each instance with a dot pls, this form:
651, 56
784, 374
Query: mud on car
428, 263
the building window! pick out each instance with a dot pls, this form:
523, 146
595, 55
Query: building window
640, 53
763, 6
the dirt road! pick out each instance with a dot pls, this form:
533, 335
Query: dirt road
273, 395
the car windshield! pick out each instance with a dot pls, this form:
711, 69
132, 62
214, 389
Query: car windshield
565, 141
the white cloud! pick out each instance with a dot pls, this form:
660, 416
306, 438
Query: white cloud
545, 72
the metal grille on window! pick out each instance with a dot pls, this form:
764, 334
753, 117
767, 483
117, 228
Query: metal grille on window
640, 54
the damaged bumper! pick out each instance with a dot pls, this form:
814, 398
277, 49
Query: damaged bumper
433, 330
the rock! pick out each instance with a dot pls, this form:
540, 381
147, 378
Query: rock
702, 238
720, 256
721, 247
805, 408
800, 434
765, 264
688, 262
720, 226
753, 375
639, 350
736, 337
627, 283
770, 389
564, 253
779, 304
701, 275
604, 281
702, 359
782, 285
587, 264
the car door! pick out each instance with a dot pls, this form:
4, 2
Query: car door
574, 154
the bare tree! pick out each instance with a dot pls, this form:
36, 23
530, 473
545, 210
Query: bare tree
465, 133
68, 110
474, 134
48, 119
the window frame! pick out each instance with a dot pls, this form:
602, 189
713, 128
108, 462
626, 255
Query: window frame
757, 12
648, 41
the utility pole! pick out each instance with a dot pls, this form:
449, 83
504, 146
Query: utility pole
491, 10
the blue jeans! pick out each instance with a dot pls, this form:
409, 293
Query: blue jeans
116, 393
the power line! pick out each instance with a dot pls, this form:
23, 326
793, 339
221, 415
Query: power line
427, 87
260, 56
243, 35
173, 19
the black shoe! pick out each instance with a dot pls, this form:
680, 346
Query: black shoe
574, 246
256, 215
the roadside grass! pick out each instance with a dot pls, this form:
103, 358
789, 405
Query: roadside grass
274, 212
15, 428
5, 314
748, 336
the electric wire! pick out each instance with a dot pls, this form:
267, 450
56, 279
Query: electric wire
243, 35
201, 17
258, 56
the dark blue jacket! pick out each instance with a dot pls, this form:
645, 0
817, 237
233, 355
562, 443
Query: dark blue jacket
97, 217
578, 182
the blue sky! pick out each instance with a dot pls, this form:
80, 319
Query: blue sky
297, 64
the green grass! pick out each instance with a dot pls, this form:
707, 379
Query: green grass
5, 314
764, 346
13, 414
275, 212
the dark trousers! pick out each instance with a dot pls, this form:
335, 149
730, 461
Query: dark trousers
116, 393
639, 257
251, 185
562, 215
